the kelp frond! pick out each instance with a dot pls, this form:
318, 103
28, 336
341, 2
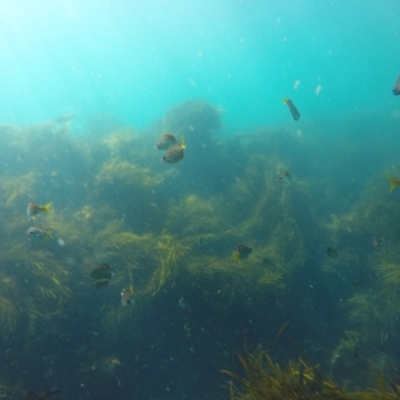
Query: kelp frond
266, 380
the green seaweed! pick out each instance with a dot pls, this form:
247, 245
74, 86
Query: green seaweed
265, 379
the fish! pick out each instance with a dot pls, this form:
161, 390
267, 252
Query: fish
356, 282
394, 182
102, 271
285, 177
377, 242
331, 252
396, 89
33, 396
36, 232
126, 296
292, 108
188, 327
99, 283
175, 153
203, 241
242, 253
63, 119
166, 141
35, 208
183, 303
266, 263
317, 384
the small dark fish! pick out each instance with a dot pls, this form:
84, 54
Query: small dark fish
33, 396
285, 177
36, 232
137, 359
356, 352
331, 252
102, 271
266, 262
203, 241
242, 253
183, 303
356, 282
377, 242
99, 283
301, 374
35, 208
166, 141
394, 182
317, 384
396, 89
174, 154
292, 108
63, 119
126, 296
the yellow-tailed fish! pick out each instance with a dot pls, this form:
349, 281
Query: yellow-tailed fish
394, 182
242, 253
99, 283
292, 108
126, 296
37, 233
102, 271
175, 153
35, 208
285, 177
166, 141
34, 396
396, 89
333, 253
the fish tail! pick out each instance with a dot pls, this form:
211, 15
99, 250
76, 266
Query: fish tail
236, 256
393, 183
285, 100
183, 145
48, 208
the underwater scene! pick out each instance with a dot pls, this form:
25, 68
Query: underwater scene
199, 200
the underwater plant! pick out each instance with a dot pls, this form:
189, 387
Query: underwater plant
194, 215
10, 392
126, 173
115, 319
8, 316
7, 283
386, 264
119, 141
15, 187
196, 116
265, 379
169, 254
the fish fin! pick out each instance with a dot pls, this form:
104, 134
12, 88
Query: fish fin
48, 208
393, 182
236, 256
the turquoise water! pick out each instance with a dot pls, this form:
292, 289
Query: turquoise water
129, 71
134, 59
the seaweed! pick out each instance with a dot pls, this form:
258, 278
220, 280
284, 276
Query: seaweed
266, 379
195, 116
169, 254
8, 317
15, 187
